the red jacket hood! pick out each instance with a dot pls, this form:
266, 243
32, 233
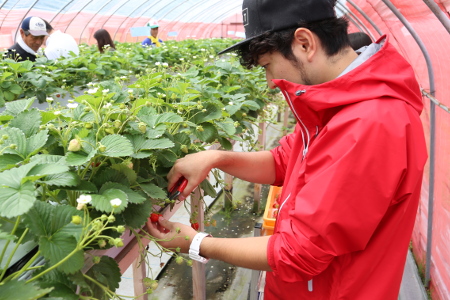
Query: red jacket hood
315, 104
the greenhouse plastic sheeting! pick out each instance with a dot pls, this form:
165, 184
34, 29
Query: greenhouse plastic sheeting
178, 19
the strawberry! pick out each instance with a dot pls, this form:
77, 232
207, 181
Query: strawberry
195, 225
154, 217
275, 213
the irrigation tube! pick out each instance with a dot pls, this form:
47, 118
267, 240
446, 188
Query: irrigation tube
432, 136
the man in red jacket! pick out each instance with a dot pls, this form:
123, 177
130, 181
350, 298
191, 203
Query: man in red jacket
351, 172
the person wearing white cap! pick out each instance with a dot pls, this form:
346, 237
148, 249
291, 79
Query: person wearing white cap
32, 34
152, 40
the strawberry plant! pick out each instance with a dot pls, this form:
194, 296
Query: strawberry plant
74, 177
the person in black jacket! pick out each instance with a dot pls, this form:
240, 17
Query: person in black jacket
32, 34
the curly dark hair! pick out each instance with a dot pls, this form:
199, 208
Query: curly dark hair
332, 34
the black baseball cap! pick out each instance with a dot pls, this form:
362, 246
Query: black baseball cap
260, 16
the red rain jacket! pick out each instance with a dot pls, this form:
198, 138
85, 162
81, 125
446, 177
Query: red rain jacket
351, 176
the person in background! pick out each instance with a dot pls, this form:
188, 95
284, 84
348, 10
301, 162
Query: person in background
59, 44
32, 34
358, 40
104, 40
152, 40
351, 171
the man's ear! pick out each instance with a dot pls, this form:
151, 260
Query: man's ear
305, 43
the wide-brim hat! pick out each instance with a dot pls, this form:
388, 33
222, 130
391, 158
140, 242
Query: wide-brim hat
260, 16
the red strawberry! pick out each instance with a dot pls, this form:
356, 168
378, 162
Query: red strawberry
154, 217
195, 225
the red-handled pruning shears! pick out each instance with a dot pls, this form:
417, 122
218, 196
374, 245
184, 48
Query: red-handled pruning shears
177, 189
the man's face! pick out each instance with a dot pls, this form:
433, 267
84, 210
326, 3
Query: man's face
34, 42
279, 67
154, 32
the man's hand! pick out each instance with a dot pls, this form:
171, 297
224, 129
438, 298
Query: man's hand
258, 167
172, 235
195, 168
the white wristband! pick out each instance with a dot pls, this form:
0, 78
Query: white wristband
194, 249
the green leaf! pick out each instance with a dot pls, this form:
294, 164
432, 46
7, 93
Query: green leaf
168, 117
15, 89
20, 290
16, 107
136, 215
16, 137
79, 158
8, 161
162, 143
37, 219
154, 191
208, 189
48, 159
61, 216
62, 179
129, 173
156, 131
107, 272
133, 197
58, 247
84, 187
102, 202
41, 170
13, 177
213, 112
15, 202
225, 143
28, 121
209, 133
251, 104
116, 146
227, 126
36, 142
47, 116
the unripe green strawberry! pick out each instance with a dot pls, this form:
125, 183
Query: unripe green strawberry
74, 145
120, 229
96, 259
117, 123
118, 242
76, 220
111, 219
200, 128
147, 282
88, 125
189, 263
142, 127
154, 285
102, 243
184, 148
102, 148
179, 260
109, 130
13, 146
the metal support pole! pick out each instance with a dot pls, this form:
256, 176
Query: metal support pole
253, 293
432, 137
366, 17
439, 14
198, 269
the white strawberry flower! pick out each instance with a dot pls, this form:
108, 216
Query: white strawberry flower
105, 91
56, 112
107, 105
72, 105
83, 200
92, 91
115, 202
